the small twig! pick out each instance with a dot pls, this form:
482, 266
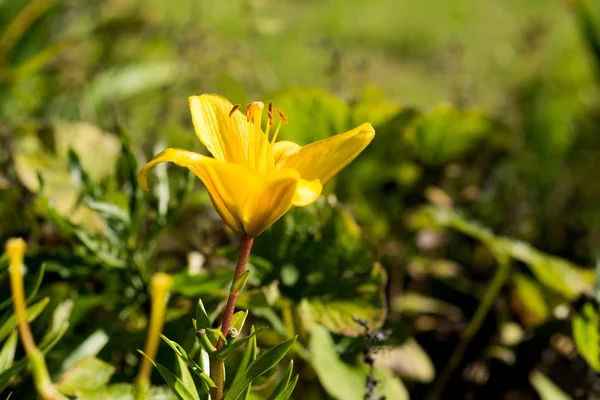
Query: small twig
373, 339
502, 273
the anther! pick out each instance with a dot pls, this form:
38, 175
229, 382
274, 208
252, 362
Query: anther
271, 120
234, 109
271, 107
281, 115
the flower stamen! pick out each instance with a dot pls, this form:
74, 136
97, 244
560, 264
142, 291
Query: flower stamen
234, 109
282, 118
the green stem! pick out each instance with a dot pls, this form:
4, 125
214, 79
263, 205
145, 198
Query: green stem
240, 268
502, 273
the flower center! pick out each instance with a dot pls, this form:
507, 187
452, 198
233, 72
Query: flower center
260, 147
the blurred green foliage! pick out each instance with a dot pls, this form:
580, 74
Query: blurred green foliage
465, 232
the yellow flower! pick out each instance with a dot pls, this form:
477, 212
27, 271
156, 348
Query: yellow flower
253, 180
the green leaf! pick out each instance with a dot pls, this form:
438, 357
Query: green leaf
289, 389
239, 284
32, 312
211, 283
585, 333
331, 371
408, 361
529, 300
33, 291
186, 377
88, 374
545, 388
327, 245
202, 319
248, 357
262, 364
412, 304
97, 151
90, 347
197, 369
366, 301
238, 319
124, 391
283, 383
47, 343
173, 381
558, 275
7, 354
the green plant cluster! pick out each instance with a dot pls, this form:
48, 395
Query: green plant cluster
455, 258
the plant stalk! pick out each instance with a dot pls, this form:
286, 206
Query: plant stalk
240, 268
160, 285
15, 248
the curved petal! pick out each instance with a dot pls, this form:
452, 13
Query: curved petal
276, 194
228, 184
183, 158
325, 158
280, 149
221, 133
307, 192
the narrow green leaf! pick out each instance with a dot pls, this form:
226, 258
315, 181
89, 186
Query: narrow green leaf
283, 383
7, 354
173, 381
108, 210
546, 389
186, 377
585, 333
239, 283
202, 320
262, 364
248, 357
47, 343
90, 347
181, 353
32, 313
38, 281
217, 333
204, 364
288, 389
238, 319
269, 359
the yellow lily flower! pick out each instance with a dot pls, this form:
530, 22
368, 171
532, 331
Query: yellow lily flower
251, 179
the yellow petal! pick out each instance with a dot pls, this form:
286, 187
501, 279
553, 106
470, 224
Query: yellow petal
222, 134
307, 192
268, 201
280, 149
183, 158
324, 159
227, 184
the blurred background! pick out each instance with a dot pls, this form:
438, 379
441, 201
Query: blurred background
468, 231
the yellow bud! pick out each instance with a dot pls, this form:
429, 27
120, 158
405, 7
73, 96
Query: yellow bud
15, 248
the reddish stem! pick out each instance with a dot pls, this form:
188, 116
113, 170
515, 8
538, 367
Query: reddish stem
240, 268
